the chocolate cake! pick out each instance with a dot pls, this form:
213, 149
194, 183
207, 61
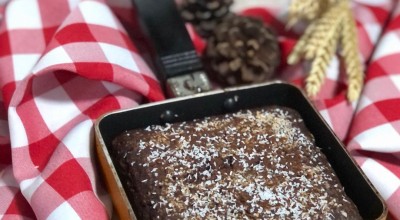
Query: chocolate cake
253, 164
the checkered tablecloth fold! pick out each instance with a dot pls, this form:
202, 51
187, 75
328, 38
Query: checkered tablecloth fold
63, 63
62, 69
375, 133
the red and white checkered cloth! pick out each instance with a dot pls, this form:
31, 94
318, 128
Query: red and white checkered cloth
65, 62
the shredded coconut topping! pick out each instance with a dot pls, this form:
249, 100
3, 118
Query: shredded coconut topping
246, 165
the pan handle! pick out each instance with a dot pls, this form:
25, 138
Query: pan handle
172, 52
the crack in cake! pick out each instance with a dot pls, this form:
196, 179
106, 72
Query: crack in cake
253, 164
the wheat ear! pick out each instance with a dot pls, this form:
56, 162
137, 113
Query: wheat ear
350, 53
299, 49
305, 10
330, 24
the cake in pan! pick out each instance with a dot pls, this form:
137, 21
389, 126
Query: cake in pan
259, 163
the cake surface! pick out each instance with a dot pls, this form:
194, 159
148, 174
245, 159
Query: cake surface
252, 164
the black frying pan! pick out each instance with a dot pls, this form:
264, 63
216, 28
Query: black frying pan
356, 184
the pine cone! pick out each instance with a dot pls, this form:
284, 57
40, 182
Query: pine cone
204, 15
242, 50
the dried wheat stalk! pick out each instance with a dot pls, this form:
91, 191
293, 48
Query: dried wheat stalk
324, 43
350, 54
299, 48
306, 10
331, 22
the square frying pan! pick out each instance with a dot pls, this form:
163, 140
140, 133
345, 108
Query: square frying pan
356, 184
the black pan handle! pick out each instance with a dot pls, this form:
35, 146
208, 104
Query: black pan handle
173, 54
